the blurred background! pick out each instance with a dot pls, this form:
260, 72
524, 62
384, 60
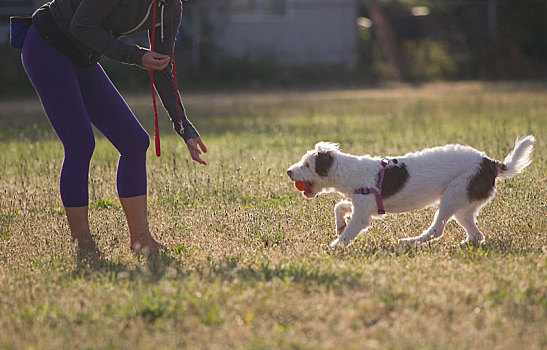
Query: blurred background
257, 44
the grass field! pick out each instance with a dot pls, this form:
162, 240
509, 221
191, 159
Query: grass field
249, 268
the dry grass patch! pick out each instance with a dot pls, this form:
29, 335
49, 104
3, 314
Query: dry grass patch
249, 268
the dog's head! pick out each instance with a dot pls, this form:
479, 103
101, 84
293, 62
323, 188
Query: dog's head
314, 169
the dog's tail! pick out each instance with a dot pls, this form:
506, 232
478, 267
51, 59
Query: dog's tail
518, 159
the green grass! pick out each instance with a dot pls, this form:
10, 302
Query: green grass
249, 267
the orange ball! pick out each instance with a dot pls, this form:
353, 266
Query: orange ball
301, 186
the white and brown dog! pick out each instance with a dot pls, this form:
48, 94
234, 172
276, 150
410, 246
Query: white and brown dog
459, 178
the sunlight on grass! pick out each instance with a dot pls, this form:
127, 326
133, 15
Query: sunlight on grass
249, 268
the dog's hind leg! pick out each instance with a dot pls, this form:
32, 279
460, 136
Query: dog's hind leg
435, 230
452, 200
467, 219
341, 210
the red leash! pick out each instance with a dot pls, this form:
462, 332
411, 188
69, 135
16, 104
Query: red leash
177, 97
156, 122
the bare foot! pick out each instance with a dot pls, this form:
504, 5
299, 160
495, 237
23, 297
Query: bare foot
87, 247
89, 253
146, 244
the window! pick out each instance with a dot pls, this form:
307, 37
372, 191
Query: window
259, 7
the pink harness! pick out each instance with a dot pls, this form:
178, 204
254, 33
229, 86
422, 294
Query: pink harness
378, 189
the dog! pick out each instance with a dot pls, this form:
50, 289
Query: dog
459, 178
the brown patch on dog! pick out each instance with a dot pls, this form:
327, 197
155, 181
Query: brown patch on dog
501, 166
323, 162
395, 179
483, 182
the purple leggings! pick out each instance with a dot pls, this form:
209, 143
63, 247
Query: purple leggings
73, 99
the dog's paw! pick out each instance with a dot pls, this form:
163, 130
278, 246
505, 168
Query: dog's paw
406, 241
334, 244
340, 242
474, 244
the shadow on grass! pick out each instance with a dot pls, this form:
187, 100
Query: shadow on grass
338, 269
304, 273
151, 268
155, 268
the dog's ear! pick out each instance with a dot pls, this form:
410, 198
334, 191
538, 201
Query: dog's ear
323, 162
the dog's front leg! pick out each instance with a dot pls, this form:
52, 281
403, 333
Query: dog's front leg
360, 221
341, 210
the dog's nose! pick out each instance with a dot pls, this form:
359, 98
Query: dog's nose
289, 172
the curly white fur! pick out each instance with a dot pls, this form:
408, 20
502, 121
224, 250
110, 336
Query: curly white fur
443, 175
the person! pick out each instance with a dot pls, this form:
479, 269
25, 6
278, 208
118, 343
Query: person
60, 55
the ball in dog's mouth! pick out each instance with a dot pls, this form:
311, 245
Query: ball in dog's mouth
303, 187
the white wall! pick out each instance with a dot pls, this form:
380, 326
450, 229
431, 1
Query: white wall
313, 32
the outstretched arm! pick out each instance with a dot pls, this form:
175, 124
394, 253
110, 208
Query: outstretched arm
165, 83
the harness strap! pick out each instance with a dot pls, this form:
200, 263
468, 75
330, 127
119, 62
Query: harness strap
378, 190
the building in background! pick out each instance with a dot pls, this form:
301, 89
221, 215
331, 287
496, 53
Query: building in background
227, 40
286, 32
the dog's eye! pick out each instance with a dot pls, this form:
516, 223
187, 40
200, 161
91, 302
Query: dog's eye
307, 165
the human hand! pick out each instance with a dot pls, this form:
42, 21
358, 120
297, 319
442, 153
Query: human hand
155, 61
195, 151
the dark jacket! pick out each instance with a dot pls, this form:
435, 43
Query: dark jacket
94, 26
